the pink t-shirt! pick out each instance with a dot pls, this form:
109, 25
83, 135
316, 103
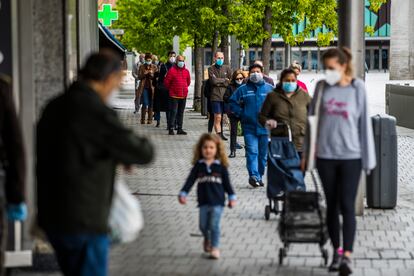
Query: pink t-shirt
302, 85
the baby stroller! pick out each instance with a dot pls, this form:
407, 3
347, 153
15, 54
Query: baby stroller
283, 171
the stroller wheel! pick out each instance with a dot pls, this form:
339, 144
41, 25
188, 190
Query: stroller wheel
325, 256
282, 255
267, 212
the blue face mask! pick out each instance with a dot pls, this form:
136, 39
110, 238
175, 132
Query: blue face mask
219, 62
289, 87
180, 64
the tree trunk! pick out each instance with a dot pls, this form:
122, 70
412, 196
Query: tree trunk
267, 42
215, 42
198, 50
224, 45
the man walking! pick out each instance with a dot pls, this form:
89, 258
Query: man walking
80, 141
177, 81
219, 77
246, 103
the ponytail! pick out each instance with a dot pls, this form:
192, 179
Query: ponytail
344, 56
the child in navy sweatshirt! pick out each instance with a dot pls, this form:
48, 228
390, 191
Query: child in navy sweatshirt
213, 181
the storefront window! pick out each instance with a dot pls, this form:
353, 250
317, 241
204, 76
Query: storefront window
384, 55
208, 58
314, 60
252, 56
376, 59
297, 56
368, 59
279, 60
305, 62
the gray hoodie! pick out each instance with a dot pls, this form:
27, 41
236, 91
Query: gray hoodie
345, 127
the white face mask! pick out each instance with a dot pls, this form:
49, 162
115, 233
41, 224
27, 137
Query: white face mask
239, 81
256, 77
172, 59
332, 77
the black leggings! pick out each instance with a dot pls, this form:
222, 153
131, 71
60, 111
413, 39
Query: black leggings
340, 179
234, 122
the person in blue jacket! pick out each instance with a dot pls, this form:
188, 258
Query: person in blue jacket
246, 103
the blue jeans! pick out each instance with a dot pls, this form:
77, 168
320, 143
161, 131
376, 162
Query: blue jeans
256, 154
81, 254
145, 98
210, 217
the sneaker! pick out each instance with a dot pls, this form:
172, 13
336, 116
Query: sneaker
171, 132
345, 267
253, 182
207, 246
336, 262
232, 154
224, 138
158, 124
261, 183
181, 132
215, 254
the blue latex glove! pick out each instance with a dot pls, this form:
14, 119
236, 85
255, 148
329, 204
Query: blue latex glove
17, 212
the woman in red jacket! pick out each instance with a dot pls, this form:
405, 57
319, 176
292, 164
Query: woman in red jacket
177, 81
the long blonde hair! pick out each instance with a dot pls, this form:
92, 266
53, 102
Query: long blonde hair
221, 152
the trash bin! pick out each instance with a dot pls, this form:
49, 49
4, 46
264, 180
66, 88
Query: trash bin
382, 183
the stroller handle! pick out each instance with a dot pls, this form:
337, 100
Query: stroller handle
284, 125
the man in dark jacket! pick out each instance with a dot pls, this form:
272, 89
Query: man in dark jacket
80, 141
12, 165
161, 93
219, 76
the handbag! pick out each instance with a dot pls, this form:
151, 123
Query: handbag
125, 217
312, 130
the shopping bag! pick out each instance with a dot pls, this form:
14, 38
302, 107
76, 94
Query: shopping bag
312, 130
125, 218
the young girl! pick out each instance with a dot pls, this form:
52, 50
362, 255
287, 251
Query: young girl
211, 174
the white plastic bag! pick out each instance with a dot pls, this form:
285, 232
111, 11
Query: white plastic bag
125, 217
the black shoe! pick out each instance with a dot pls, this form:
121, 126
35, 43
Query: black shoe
253, 182
158, 124
232, 154
336, 262
181, 132
171, 132
345, 267
238, 146
261, 183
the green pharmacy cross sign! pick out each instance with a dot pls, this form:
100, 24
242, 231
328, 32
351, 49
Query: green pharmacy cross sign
107, 15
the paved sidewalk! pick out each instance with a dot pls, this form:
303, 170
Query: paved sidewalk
170, 243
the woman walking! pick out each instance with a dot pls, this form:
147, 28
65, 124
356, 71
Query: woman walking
145, 92
345, 146
237, 80
288, 104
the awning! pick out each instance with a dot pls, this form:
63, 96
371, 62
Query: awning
107, 40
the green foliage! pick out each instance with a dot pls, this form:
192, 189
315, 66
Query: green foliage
375, 5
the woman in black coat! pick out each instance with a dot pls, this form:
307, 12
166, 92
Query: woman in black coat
237, 80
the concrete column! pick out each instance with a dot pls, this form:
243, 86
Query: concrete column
351, 32
188, 53
176, 44
288, 55
402, 40
234, 53
88, 34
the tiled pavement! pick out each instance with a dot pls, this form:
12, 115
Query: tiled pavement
170, 243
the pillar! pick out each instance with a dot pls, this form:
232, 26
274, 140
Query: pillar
402, 40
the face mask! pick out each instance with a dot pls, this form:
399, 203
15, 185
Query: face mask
219, 62
239, 82
172, 59
332, 76
156, 62
289, 87
256, 77
148, 62
180, 64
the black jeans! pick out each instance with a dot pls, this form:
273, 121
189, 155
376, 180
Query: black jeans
234, 122
177, 107
340, 179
